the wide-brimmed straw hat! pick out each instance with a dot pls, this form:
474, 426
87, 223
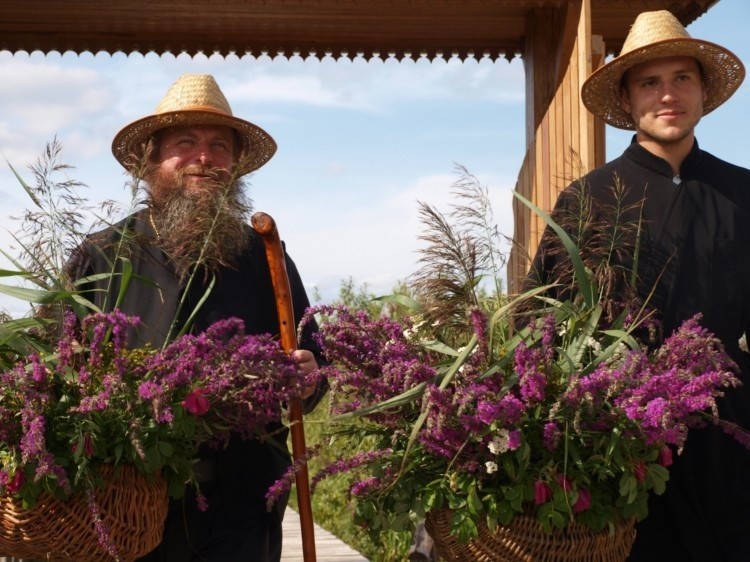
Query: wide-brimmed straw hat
194, 99
657, 35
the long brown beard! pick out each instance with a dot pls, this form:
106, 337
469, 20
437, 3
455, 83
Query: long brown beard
204, 228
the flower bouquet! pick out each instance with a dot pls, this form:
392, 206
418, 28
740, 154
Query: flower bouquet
482, 414
91, 407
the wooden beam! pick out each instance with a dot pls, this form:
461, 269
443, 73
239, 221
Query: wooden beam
563, 140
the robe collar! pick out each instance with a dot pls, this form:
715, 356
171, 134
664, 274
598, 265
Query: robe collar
643, 157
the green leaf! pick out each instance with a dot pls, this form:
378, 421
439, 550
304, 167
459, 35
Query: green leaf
657, 476
558, 519
27, 189
431, 499
153, 457
474, 503
465, 527
505, 512
402, 300
582, 278
127, 273
628, 487
166, 449
33, 295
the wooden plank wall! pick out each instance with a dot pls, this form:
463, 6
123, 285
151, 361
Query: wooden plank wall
566, 140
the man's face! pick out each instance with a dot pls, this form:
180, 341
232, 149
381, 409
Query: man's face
197, 209
199, 155
665, 98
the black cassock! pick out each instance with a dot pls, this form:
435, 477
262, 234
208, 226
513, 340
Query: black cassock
695, 256
237, 525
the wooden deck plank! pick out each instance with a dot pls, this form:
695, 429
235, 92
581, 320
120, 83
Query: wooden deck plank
328, 548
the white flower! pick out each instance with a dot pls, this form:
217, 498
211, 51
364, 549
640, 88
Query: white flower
499, 443
411, 333
618, 354
595, 346
491, 466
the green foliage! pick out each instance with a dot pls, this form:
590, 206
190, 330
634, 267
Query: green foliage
331, 501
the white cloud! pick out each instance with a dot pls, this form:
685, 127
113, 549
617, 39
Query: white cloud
374, 243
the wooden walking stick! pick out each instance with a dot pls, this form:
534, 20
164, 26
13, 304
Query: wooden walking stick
266, 227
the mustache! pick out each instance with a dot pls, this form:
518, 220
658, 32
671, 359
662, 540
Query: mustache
199, 170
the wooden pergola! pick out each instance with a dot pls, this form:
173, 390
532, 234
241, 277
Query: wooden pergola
560, 42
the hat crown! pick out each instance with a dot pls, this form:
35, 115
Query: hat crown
194, 91
652, 27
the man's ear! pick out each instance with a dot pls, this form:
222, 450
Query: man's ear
625, 100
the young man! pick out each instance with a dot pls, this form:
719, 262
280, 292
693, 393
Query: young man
191, 249
692, 257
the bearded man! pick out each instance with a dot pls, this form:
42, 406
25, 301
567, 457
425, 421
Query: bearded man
184, 261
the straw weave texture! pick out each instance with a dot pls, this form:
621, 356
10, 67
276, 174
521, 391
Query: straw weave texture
525, 541
133, 511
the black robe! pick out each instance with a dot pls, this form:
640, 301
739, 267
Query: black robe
694, 254
237, 524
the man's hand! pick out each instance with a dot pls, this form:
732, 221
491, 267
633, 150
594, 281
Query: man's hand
307, 364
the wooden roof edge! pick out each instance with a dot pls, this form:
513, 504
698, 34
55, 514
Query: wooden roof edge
313, 54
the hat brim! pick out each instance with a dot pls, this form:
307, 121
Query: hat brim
723, 73
257, 145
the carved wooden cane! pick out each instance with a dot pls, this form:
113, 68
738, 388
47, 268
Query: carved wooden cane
266, 227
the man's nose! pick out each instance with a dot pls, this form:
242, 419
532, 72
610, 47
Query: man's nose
668, 91
204, 156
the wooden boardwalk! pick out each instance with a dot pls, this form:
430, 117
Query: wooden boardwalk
327, 547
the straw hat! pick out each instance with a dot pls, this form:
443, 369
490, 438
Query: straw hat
194, 99
656, 35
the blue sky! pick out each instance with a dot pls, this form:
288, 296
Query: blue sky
360, 143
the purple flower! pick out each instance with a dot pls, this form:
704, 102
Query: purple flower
488, 412
551, 436
515, 438
201, 501
102, 531
32, 443
500, 419
148, 390
366, 486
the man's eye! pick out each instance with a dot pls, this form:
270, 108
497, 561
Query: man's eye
649, 85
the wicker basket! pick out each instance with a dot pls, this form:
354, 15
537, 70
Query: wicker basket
525, 541
133, 511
